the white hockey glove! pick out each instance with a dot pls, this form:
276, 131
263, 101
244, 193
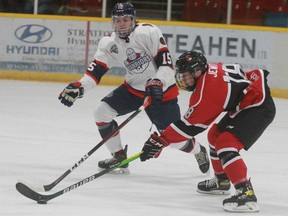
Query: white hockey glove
71, 93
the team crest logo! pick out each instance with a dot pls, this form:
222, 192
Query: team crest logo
114, 49
137, 62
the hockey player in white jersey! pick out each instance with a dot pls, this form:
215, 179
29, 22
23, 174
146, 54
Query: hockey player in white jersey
140, 48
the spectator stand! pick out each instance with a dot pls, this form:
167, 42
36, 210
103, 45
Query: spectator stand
81, 8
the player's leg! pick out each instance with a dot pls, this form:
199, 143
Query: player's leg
162, 116
219, 184
228, 147
191, 146
117, 103
237, 133
245, 129
230, 167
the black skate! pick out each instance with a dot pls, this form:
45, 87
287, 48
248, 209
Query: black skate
244, 200
214, 186
203, 160
116, 159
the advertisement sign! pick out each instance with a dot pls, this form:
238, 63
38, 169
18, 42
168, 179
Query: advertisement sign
68, 46
49, 45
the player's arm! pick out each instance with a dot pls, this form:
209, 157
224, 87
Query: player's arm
255, 93
175, 133
155, 86
94, 72
90, 79
76, 89
195, 121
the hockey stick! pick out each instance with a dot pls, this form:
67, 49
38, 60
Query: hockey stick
42, 199
48, 187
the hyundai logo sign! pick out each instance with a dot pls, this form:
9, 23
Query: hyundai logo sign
33, 33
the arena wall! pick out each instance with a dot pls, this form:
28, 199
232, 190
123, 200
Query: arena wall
59, 48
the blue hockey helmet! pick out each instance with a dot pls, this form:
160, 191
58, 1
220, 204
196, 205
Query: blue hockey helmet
122, 9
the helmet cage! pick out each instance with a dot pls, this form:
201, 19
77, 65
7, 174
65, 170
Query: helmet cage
123, 33
185, 81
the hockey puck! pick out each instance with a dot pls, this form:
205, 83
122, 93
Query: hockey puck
42, 202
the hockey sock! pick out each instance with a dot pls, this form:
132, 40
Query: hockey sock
212, 136
228, 147
215, 161
189, 146
114, 143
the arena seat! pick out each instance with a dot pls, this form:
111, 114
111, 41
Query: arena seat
257, 10
214, 11
239, 12
195, 11
84, 7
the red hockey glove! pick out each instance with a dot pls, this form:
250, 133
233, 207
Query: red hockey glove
153, 147
154, 89
71, 93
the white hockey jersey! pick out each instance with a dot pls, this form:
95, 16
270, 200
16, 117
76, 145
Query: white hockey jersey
144, 54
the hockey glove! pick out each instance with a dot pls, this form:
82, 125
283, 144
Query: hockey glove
71, 93
153, 147
154, 89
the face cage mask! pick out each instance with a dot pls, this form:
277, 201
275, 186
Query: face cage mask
124, 33
179, 77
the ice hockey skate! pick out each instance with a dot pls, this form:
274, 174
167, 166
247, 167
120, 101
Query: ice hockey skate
214, 186
116, 159
244, 200
203, 160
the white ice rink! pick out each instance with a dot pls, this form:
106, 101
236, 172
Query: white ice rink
40, 139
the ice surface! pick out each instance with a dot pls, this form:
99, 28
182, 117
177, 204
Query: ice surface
40, 139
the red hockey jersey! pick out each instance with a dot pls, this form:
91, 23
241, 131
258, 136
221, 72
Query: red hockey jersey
224, 87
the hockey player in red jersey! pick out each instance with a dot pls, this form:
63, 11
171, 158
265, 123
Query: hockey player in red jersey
249, 107
141, 49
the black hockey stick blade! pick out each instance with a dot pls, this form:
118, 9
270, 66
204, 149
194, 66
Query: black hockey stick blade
33, 195
48, 187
